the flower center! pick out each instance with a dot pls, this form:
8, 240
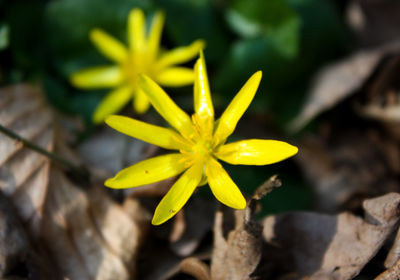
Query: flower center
202, 150
134, 65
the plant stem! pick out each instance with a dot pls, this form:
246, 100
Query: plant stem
81, 172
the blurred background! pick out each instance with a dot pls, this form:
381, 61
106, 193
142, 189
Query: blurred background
44, 42
330, 86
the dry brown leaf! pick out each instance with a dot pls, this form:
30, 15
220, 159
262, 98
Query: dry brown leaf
192, 225
382, 97
20, 257
394, 253
14, 244
338, 81
238, 256
88, 235
108, 151
90, 239
331, 247
392, 273
349, 164
23, 172
196, 268
374, 21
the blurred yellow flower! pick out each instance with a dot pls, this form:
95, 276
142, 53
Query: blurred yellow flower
143, 56
200, 141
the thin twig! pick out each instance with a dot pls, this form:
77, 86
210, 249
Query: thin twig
268, 186
79, 171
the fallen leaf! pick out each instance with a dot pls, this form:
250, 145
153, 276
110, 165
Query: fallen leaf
392, 273
108, 151
336, 82
196, 268
394, 253
239, 255
90, 239
374, 21
331, 246
23, 172
347, 165
14, 242
87, 235
192, 226
382, 97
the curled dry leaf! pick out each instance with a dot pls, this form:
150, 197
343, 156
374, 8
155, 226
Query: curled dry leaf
87, 235
338, 81
196, 268
331, 247
238, 256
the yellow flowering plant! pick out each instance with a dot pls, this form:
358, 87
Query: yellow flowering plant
142, 56
199, 142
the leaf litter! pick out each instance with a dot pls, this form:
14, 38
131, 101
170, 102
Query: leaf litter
89, 236
85, 233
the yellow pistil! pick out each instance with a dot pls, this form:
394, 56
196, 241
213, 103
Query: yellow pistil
199, 141
141, 56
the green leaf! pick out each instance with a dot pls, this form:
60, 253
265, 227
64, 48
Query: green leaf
285, 81
274, 19
4, 36
69, 23
189, 20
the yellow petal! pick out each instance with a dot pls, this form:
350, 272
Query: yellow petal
166, 107
112, 103
222, 186
97, 77
148, 171
153, 44
202, 97
141, 103
175, 77
108, 45
136, 29
178, 195
156, 135
229, 119
256, 152
181, 54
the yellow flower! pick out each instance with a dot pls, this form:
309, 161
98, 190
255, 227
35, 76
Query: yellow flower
199, 142
141, 57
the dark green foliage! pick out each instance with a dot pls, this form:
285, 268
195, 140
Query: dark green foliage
289, 40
